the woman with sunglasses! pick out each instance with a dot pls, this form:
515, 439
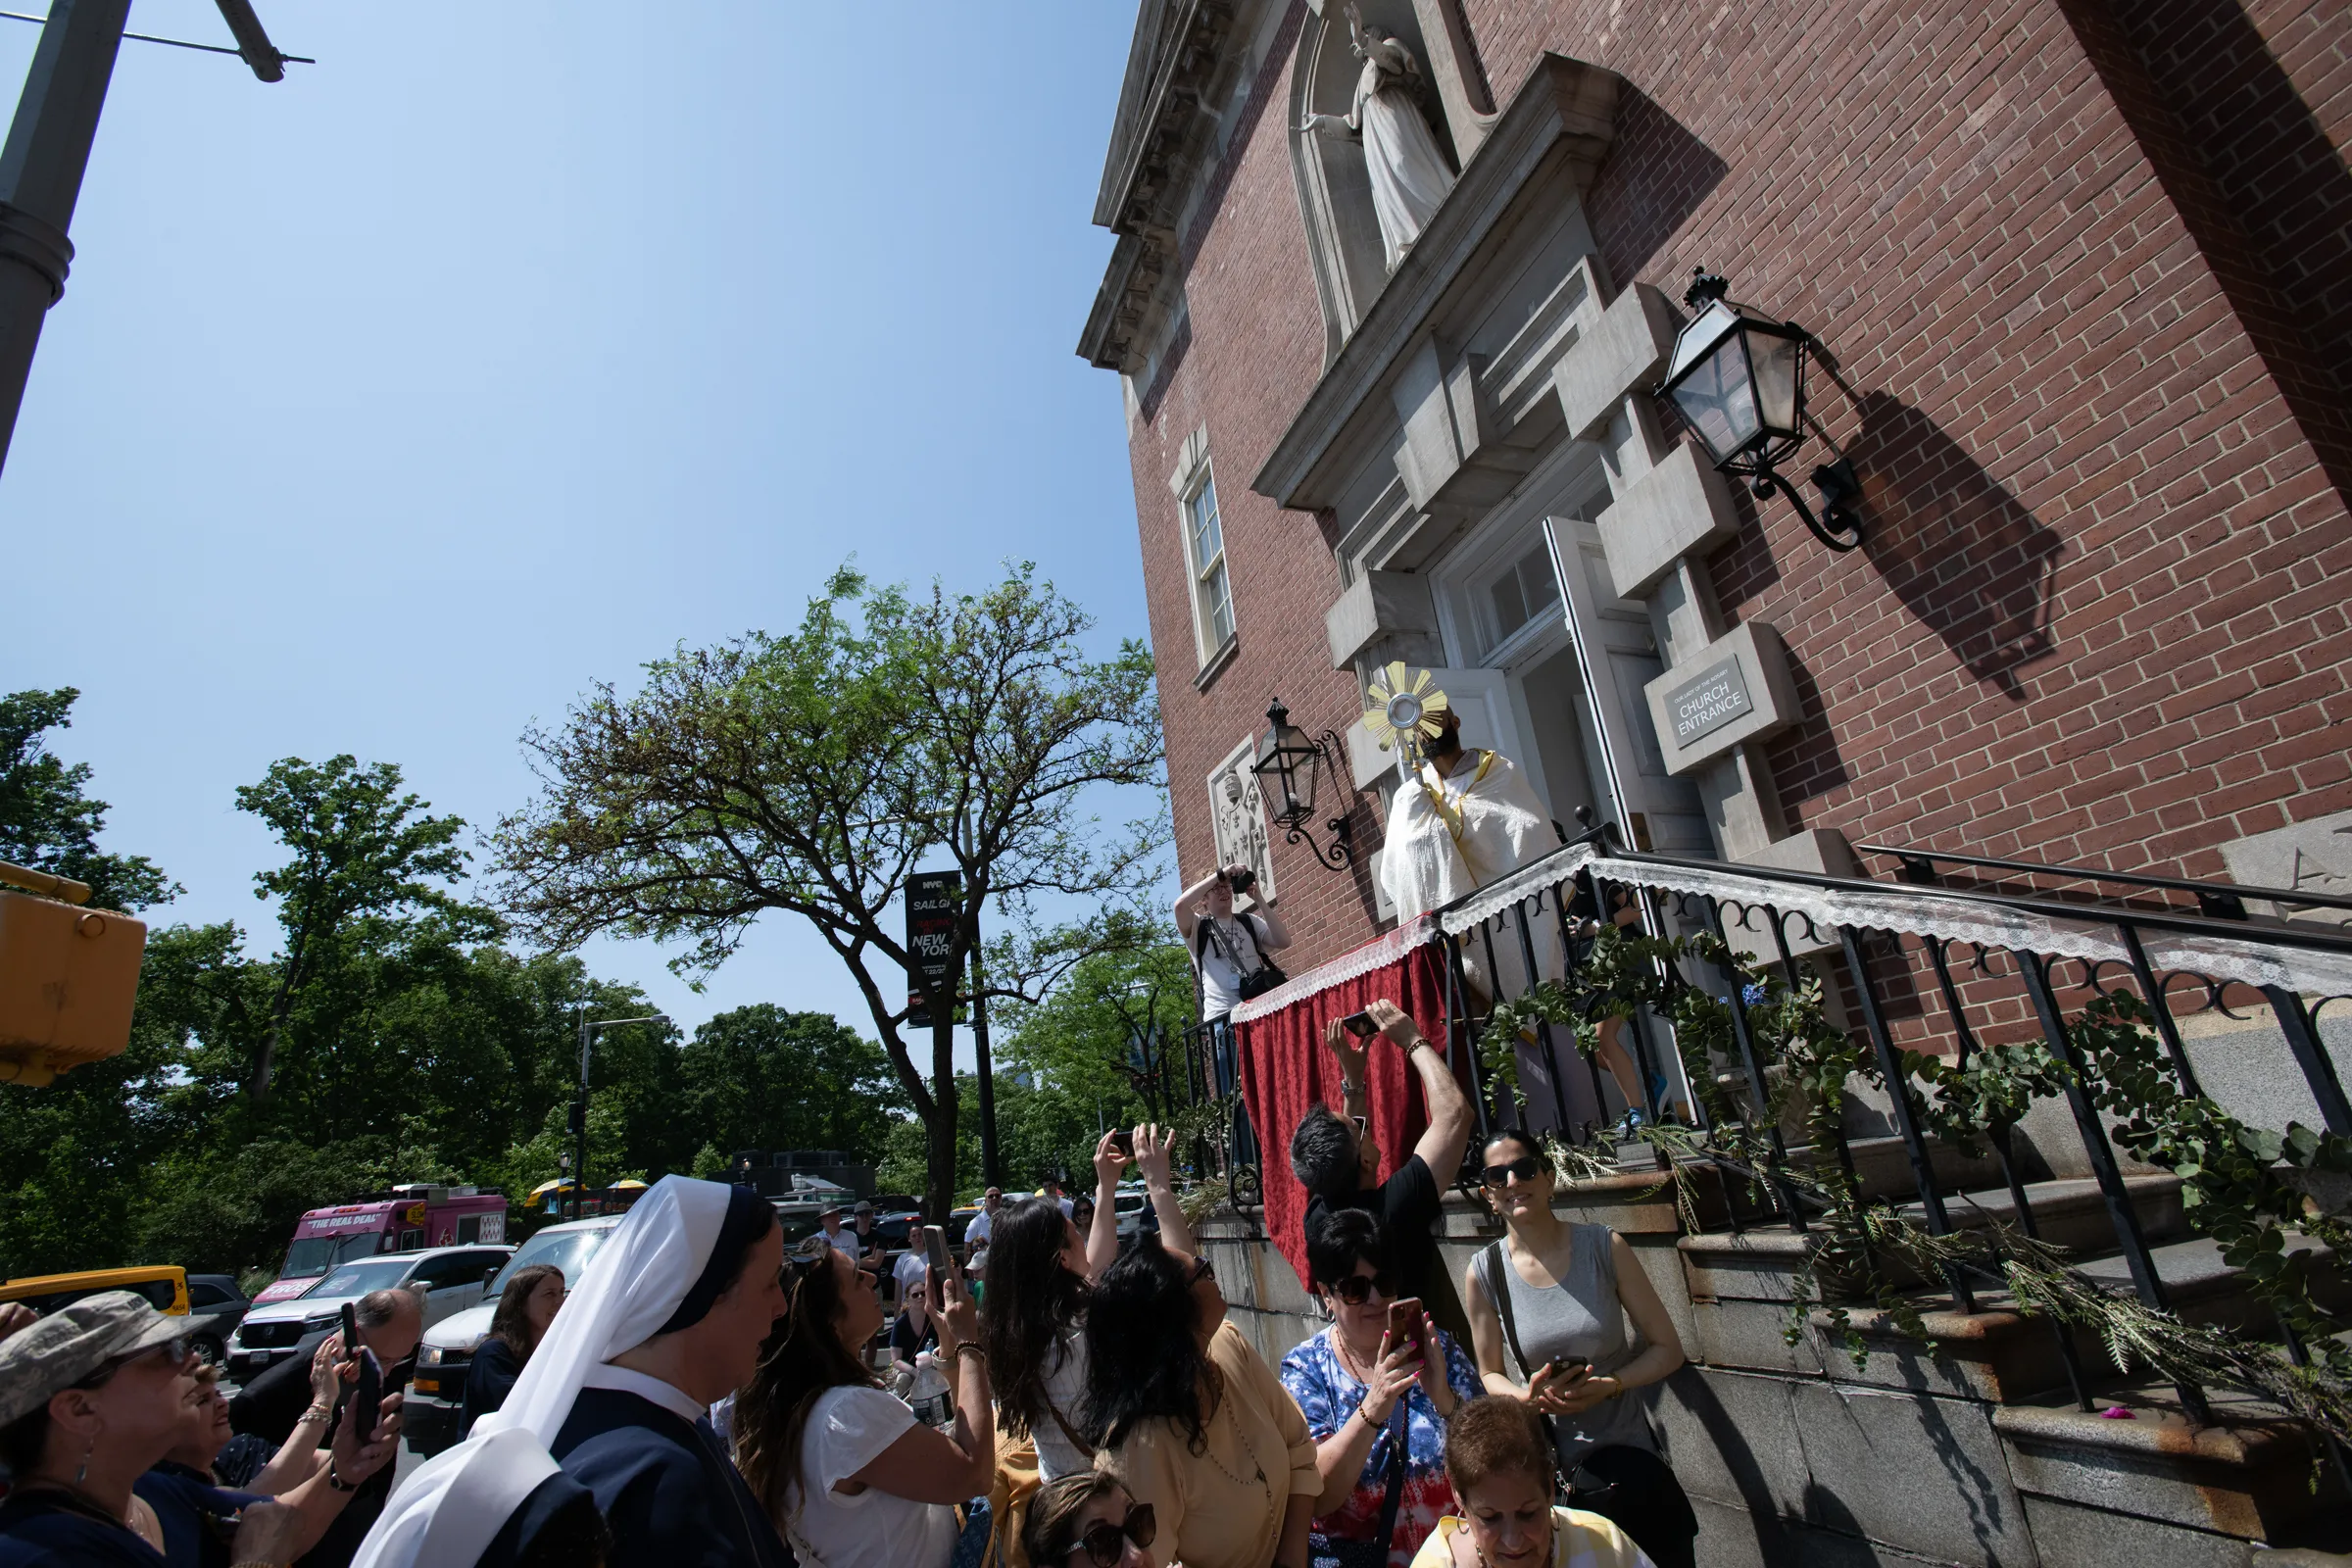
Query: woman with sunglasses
1548, 1307
185, 1489
1375, 1403
92, 1397
1087, 1520
849, 1474
1190, 1421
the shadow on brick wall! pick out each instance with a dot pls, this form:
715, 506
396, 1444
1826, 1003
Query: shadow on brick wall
1805, 762
1656, 175
2255, 177
1960, 552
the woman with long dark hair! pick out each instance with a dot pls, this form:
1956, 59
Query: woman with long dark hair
1039, 1276
845, 1469
1190, 1421
526, 1305
1549, 1305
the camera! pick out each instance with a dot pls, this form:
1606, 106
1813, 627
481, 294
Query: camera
1241, 881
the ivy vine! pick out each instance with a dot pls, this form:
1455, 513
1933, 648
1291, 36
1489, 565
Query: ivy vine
2254, 1191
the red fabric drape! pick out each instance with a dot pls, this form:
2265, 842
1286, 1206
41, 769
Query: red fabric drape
1285, 1067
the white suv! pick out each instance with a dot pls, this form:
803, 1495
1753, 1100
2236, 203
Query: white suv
451, 1276
436, 1397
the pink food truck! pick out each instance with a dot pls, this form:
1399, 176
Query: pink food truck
413, 1216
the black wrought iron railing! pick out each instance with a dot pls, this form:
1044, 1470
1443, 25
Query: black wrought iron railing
1939, 957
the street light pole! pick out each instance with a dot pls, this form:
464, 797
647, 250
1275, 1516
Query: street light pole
47, 151
40, 178
579, 1106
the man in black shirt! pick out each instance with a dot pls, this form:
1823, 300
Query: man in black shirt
1336, 1161
278, 1406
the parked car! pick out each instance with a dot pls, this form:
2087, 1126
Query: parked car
215, 1306
451, 1278
437, 1389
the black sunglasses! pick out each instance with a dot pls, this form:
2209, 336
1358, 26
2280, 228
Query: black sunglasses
1102, 1542
1201, 1271
1526, 1167
1355, 1288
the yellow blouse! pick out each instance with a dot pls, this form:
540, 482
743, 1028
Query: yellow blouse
1579, 1540
1223, 1509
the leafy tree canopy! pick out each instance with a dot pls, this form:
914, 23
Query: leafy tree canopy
46, 821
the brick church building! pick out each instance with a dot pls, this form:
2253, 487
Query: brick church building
2077, 280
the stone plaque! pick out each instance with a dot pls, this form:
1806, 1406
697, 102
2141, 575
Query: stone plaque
1712, 699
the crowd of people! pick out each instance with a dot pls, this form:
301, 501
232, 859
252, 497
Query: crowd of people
705, 1396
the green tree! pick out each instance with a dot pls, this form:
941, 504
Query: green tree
363, 852
813, 772
46, 821
1112, 1030
760, 1077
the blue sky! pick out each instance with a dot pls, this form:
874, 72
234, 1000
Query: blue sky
510, 346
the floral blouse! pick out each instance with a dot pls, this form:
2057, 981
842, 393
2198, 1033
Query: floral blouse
1328, 1395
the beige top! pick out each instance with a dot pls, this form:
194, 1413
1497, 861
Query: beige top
1223, 1509
1579, 1540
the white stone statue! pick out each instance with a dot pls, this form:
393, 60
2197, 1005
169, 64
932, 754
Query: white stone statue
1410, 176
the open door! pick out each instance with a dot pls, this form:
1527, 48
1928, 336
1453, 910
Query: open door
1616, 655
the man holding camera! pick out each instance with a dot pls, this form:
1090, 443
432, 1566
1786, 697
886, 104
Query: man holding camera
1229, 950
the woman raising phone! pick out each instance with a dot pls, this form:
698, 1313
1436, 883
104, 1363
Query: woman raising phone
1549, 1307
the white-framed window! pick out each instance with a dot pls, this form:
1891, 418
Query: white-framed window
1523, 591
1195, 486
1212, 589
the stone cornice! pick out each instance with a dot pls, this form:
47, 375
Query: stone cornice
1565, 114
1161, 137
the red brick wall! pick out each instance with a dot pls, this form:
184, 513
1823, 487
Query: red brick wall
2101, 615
1256, 351
2095, 620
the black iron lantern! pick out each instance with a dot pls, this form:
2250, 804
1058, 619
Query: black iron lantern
1737, 378
1287, 759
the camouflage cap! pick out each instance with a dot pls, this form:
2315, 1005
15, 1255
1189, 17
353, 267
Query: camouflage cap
70, 1343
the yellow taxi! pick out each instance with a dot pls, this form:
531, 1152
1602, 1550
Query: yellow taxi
164, 1285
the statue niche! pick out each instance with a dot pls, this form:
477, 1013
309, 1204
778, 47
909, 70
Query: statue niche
1408, 173
1371, 167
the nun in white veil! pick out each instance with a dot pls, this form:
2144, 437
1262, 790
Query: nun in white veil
667, 1319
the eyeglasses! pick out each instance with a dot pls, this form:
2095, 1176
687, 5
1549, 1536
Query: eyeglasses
1527, 1167
1102, 1542
1201, 1271
1356, 1288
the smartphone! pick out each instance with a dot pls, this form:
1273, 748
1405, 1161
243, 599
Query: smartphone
1568, 1368
935, 1247
1123, 1140
1360, 1025
351, 1329
1405, 1323
363, 1411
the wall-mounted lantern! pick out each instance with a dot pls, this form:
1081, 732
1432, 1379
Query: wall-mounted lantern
1287, 759
1737, 378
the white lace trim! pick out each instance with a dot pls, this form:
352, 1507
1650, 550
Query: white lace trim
1377, 953
1922, 913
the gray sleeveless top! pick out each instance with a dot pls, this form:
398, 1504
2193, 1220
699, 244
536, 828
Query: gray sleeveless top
1579, 1316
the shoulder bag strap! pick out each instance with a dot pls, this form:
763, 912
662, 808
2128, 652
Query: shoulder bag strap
1076, 1441
1492, 1263
1398, 1440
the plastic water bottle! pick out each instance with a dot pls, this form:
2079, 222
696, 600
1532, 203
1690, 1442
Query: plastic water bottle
929, 1395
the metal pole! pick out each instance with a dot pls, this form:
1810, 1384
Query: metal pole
579, 1155
986, 1084
40, 178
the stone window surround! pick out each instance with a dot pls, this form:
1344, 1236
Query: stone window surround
1193, 475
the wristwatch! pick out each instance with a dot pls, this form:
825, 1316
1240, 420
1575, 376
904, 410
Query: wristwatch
336, 1481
